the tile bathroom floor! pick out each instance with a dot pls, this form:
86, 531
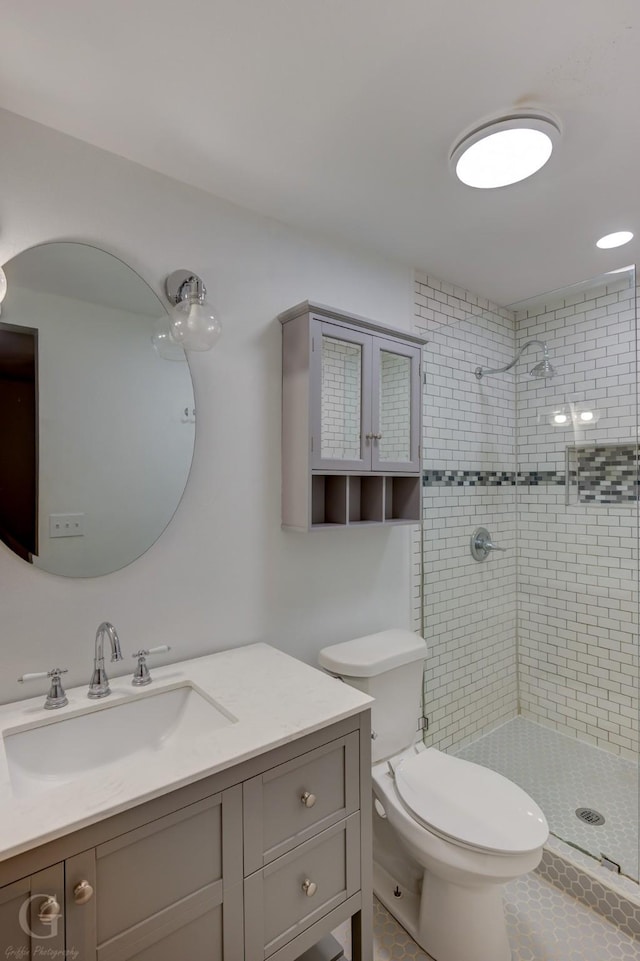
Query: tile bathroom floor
563, 774
544, 924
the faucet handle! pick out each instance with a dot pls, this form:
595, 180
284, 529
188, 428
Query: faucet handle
56, 696
141, 675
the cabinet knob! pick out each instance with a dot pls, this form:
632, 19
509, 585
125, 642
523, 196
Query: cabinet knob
49, 911
82, 892
309, 887
308, 799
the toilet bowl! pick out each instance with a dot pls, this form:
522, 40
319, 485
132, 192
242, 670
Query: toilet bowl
470, 830
447, 833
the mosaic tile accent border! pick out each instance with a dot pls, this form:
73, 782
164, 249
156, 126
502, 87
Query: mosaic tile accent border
478, 478
467, 478
604, 474
607, 474
610, 902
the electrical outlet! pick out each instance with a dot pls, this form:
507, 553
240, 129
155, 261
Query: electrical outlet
66, 525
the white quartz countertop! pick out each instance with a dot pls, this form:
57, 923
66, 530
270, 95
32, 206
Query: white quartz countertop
274, 697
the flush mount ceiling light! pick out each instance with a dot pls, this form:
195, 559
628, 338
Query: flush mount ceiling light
192, 322
505, 150
616, 239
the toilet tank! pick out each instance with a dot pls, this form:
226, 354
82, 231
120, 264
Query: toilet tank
388, 666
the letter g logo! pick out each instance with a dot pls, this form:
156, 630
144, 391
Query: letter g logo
48, 913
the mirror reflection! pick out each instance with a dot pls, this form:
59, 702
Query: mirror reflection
395, 407
96, 428
341, 399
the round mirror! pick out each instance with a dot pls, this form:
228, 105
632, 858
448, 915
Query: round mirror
97, 425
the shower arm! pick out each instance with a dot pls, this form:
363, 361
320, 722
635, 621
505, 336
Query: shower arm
481, 371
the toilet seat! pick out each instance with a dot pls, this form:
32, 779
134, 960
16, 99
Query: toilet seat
469, 804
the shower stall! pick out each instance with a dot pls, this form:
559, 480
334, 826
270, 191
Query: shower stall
531, 432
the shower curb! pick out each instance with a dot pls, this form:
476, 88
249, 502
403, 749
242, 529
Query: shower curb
613, 896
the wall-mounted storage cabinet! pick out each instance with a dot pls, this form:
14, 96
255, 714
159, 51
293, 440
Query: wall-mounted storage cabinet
351, 421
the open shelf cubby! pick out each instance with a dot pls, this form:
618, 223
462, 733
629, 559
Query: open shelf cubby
402, 499
358, 499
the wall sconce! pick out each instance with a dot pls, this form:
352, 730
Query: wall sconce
3, 287
192, 322
163, 341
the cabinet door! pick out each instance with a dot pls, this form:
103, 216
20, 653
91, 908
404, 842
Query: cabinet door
22, 934
340, 397
395, 405
172, 888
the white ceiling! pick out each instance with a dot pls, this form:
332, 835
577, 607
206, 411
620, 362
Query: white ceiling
338, 116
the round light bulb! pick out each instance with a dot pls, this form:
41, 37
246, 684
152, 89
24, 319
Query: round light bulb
3, 285
194, 325
560, 418
616, 239
586, 415
164, 343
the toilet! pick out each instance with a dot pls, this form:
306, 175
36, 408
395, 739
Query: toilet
448, 834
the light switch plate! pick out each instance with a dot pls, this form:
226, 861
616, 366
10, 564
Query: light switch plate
66, 525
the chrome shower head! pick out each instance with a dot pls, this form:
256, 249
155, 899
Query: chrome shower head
543, 370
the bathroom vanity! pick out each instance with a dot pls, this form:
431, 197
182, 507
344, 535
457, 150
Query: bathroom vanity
245, 839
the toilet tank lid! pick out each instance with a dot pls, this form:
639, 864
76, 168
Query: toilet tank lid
373, 654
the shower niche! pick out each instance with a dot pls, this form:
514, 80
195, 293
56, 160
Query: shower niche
351, 421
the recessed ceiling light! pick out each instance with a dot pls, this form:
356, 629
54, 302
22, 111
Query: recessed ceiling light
505, 151
614, 240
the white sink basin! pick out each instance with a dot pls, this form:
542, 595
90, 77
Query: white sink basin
56, 752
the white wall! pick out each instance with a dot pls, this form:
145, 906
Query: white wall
223, 573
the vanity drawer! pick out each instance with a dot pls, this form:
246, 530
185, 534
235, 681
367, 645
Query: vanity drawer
290, 803
292, 893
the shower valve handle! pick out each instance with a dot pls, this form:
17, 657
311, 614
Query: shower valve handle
482, 544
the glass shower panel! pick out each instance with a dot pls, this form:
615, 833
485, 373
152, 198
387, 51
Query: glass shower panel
577, 505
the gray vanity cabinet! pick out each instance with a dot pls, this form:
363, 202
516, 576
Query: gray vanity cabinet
172, 883
351, 420
22, 935
259, 861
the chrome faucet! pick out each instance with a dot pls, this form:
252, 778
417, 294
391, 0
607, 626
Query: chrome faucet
99, 684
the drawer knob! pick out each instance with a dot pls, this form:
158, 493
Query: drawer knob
49, 911
82, 892
309, 887
308, 799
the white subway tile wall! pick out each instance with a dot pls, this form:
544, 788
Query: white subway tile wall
469, 607
578, 564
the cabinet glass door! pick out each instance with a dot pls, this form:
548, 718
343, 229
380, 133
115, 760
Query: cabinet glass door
342, 365
396, 381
